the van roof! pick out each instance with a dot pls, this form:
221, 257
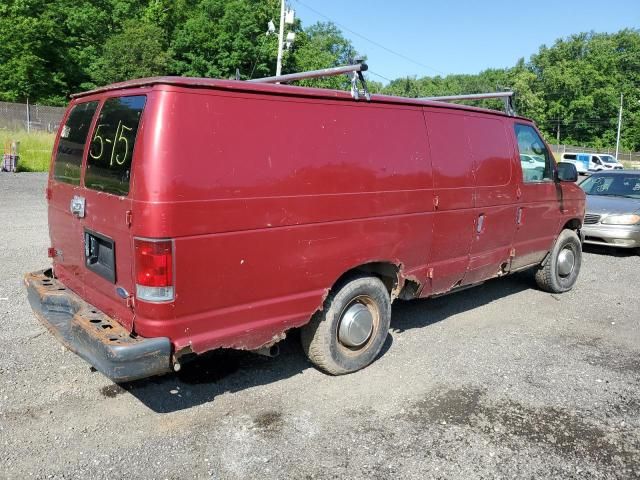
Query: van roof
277, 89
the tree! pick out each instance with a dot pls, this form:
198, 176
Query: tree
47, 47
319, 46
222, 36
140, 50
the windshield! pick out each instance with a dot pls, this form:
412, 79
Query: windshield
627, 185
608, 159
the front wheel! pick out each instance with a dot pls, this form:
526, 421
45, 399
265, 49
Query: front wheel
560, 272
349, 332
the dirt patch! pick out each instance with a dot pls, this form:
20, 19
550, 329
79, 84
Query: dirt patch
112, 391
269, 421
567, 433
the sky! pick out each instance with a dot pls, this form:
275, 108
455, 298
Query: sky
460, 36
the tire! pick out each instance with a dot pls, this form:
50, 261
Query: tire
321, 337
555, 276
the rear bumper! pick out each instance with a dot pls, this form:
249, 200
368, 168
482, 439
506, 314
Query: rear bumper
624, 236
91, 334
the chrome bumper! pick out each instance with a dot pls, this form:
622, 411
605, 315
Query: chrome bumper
624, 236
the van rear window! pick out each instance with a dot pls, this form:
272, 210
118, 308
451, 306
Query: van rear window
112, 143
73, 137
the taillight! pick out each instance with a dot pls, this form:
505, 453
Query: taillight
154, 270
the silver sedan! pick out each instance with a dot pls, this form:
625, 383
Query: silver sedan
613, 209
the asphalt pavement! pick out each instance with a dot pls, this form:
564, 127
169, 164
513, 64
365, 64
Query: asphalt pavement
499, 381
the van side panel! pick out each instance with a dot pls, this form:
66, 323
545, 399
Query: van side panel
454, 186
270, 201
496, 199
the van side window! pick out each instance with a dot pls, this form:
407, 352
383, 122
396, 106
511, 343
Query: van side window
73, 137
536, 161
112, 143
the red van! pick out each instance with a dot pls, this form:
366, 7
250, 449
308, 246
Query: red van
187, 215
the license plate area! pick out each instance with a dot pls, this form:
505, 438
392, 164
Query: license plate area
100, 255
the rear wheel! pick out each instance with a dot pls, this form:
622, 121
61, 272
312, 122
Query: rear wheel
560, 272
349, 332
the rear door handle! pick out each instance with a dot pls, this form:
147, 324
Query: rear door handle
77, 206
480, 224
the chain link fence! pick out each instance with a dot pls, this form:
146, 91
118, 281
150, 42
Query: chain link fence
32, 118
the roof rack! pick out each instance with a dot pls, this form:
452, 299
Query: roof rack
506, 96
355, 70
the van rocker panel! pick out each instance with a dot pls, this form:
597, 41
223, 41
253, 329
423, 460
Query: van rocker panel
92, 335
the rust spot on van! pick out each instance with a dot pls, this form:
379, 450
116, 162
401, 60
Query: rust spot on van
407, 287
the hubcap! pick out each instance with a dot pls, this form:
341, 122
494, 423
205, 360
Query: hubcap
356, 326
566, 261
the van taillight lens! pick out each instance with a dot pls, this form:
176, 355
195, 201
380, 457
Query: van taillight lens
154, 270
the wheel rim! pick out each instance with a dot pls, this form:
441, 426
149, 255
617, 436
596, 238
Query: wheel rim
357, 323
566, 262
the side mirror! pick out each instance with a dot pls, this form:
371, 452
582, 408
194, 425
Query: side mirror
567, 172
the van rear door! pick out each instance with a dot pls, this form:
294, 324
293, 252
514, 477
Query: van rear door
65, 195
105, 229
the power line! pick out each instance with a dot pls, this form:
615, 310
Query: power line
378, 75
398, 54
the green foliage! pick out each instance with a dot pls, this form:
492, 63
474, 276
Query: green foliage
321, 46
580, 80
574, 85
140, 50
221, 36
49, 49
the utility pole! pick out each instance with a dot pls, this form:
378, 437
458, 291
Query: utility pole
28, 117
558, 133
280, 39
619, 125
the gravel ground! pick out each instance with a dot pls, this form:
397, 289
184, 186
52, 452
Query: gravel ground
499, 381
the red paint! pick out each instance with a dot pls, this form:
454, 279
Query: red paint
270, 193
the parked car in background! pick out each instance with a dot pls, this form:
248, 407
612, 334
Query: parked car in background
532, 167
592, 162
581, 166
613, 209
609, 162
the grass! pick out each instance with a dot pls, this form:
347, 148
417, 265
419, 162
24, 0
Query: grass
35, 149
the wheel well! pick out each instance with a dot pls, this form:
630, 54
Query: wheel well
573, 224
390, 274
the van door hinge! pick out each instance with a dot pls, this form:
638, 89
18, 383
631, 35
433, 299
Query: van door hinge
430, 273
127, 217
519, 216
512, 253
436, 202
130, 301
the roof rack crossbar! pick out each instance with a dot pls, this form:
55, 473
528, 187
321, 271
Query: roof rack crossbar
354, 70
506, 96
